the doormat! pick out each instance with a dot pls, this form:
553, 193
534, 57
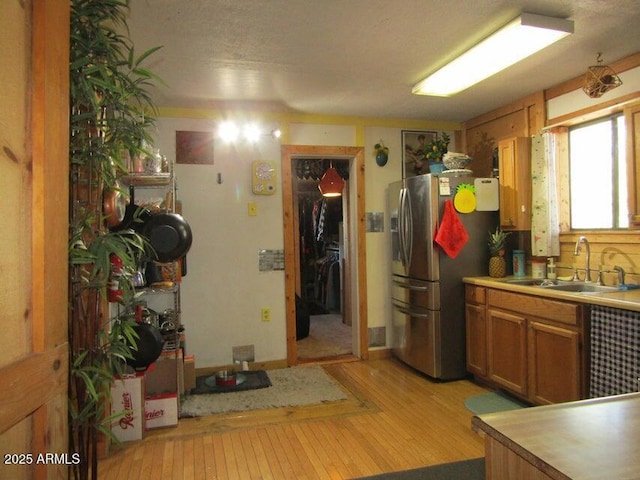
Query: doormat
492, 402
247, 380
294, 386
464, 470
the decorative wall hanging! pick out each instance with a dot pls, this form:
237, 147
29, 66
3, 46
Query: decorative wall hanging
381, 153
599, 79
414, 146
194, 147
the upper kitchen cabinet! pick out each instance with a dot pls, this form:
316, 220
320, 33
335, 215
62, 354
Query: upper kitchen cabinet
632, 120
515, 183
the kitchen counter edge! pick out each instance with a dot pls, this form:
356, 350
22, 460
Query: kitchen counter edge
625, 300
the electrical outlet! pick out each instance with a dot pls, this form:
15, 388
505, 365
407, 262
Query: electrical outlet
252, 209
265, 314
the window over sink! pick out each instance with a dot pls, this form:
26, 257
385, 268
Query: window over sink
598, 174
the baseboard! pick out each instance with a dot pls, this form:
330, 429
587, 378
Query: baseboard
379, 354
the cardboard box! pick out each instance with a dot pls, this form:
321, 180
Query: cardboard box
162, 376
161, 411
189, 373
127, 397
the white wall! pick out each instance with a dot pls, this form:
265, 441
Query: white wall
224, 291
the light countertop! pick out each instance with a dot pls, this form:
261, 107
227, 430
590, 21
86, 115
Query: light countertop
588, 439
626, 300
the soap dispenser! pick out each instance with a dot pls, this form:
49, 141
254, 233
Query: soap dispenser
551, 269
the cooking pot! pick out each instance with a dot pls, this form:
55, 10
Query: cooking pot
169, 234
114, 205
134, 215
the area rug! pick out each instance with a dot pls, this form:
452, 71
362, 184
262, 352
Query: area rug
464, 470
251, 380
292, 386
492, 402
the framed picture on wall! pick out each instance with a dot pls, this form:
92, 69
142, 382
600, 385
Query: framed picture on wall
194, 147
413, 149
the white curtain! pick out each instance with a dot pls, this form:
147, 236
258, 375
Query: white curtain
545, 228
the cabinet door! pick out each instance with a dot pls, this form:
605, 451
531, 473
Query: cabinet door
515, 183
632, 120
507, 350
476, 333
554, 363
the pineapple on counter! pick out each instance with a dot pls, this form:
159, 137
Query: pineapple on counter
497, 262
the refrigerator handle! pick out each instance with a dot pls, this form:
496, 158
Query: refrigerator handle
408, 311
409, 227
401, 227
411, 287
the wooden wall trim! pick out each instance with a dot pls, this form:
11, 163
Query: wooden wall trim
288, 152
503, 111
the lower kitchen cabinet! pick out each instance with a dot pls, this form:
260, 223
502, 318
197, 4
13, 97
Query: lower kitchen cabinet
531, 346
554, 363
507, 350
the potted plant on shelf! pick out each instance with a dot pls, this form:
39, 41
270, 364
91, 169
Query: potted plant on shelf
497, 262
435, 150
110, 114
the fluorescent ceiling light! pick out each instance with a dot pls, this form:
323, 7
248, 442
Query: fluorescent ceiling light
515, 41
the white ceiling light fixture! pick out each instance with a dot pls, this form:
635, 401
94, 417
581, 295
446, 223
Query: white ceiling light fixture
252, 133
520, 38
228, 131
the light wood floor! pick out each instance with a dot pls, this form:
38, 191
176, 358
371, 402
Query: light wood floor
394, 419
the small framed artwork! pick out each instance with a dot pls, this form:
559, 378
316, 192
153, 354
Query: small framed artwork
414, 144
194, 148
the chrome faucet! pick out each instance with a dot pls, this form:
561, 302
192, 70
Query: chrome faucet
587, 258
620, 271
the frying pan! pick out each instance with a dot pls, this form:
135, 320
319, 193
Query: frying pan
169, 234
114, 204
149, 344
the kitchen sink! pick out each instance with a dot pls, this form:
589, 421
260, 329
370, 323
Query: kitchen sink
533, 282
563, 286
582, 288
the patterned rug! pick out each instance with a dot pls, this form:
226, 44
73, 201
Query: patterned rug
292, 386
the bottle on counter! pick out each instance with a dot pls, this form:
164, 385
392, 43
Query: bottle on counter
519, 265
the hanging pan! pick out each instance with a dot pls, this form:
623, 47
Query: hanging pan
134, 215
169, 234
149, 346
114, 205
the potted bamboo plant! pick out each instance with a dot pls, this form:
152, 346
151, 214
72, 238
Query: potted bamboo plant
111, 113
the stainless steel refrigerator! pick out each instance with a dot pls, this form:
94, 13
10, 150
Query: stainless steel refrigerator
428, 330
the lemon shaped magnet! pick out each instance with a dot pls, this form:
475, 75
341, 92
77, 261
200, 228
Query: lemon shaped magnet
465, 198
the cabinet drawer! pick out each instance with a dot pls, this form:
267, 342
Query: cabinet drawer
567, 313
473, 294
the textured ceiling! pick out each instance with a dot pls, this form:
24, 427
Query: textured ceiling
360, 57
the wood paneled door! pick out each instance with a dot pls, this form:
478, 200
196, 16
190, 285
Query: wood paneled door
33, 261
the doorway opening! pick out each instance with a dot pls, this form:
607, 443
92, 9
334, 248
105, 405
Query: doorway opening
323, 323
325, 281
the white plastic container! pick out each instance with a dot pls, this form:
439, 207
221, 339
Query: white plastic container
538, 268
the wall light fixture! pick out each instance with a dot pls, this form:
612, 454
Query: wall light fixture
520, 38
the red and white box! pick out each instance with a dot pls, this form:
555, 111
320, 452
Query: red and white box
127, 398
161, 410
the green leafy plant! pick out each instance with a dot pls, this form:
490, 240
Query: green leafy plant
436, 148
496, 242
111, 113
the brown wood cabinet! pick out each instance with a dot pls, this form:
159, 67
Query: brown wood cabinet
632, 120
515, 183
531, 346
507, 350
476, 330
